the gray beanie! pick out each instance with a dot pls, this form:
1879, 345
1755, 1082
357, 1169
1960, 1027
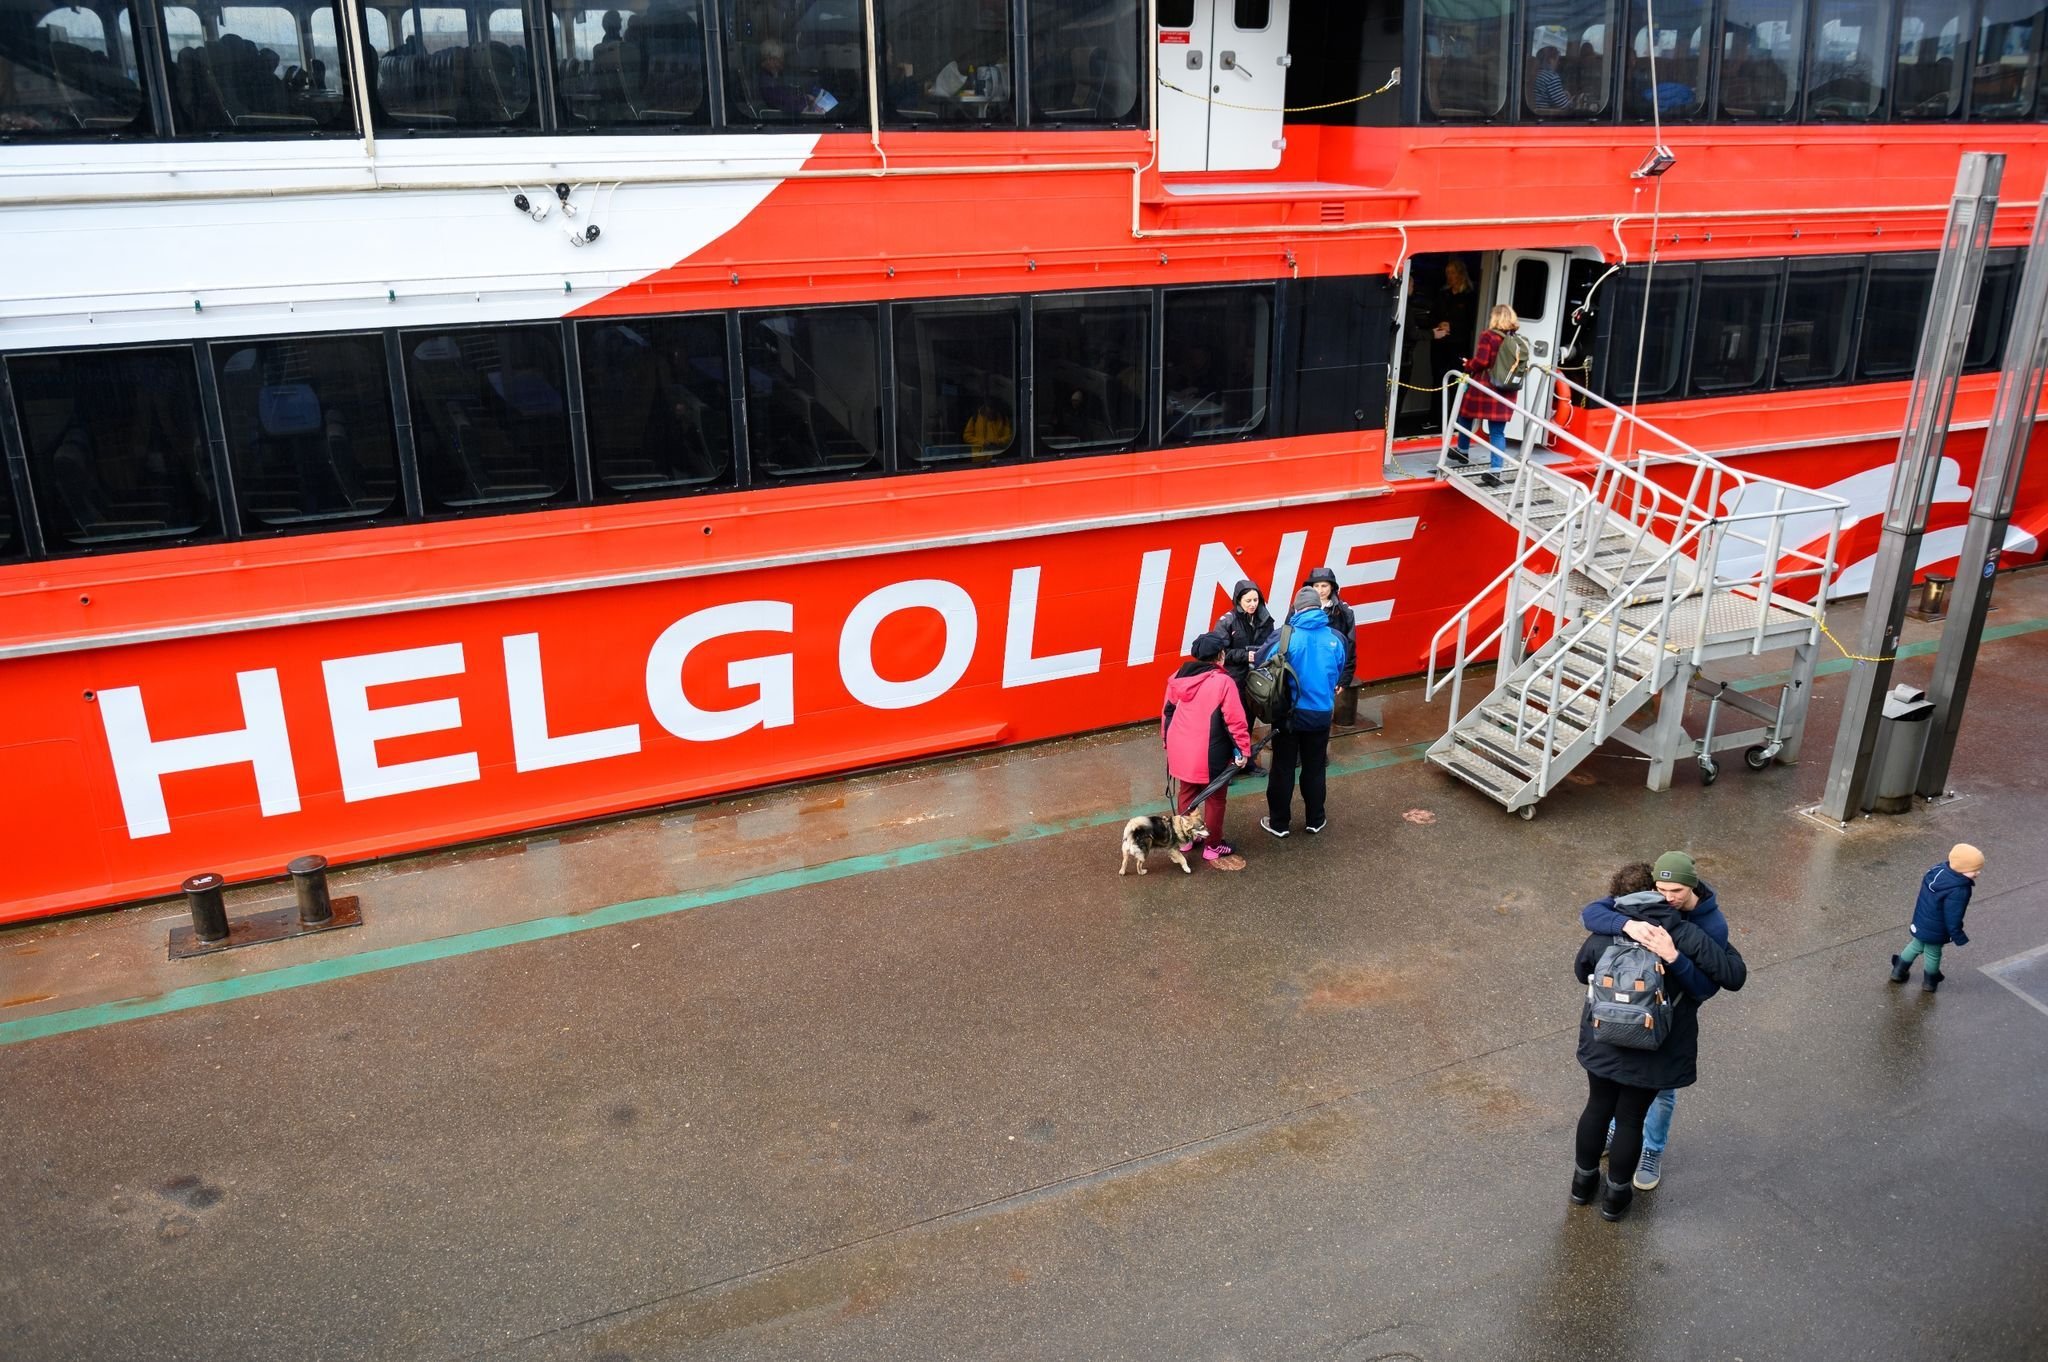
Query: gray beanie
1307, 599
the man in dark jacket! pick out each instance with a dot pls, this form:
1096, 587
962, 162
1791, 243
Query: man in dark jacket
1324, 581
1244, 629
1938, 915
1622, 1083
1315, 658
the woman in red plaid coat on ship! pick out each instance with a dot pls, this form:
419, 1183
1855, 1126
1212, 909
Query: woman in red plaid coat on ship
1484, 401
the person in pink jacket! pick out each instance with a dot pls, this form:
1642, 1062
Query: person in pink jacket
1205, 733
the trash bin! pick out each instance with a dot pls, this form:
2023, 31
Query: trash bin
1901, 743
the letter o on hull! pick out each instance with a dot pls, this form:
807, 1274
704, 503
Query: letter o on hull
857, 643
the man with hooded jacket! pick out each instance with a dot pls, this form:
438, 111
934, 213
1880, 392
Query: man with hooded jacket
1324, 582
1315, 659
1203, 726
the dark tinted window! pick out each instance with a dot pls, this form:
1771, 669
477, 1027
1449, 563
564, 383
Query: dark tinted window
1933, 59
1736, 329
488, 415
1567, 71
1342, 333
454, 66
1988, 325
657, 404
795, 63
309, 430
946, 61
1849, 58
1085, 65
1663, 340
1172, 14
1252, 15
1531, 292
625, 68
956, 383
68, 72
1682, 47
1819, 325
1464, 58
1894, 310
2008, 60
247, 69
116, 449
11, 545
814, 402
1089, 356
1760, 45
1217, 352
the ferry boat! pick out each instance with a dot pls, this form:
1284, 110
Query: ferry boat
425, 423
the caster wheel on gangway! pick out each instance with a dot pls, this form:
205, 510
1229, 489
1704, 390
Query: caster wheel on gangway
1760, 756
1710, 770
1526, 813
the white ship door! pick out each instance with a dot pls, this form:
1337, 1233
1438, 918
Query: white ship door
1532, 282
1223, 79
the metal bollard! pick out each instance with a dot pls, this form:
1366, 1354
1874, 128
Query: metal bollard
309, 882
209, 909
1934, 593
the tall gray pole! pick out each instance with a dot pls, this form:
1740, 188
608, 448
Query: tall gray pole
1929, 406
1998, 480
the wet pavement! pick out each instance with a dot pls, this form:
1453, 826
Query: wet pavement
897, 1067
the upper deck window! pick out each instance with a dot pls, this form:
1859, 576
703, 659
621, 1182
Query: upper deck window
795, 63
2008, 61
454, 68
644, 68
245, 69
946, 62
1681, 50
1850, 59
116, 447
1084, 59
71, 71
1761, 41
1933, 59
1465, 58
1567, 72
309, 432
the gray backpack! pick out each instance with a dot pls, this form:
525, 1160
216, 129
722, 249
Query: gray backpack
1510, 362
1625, 997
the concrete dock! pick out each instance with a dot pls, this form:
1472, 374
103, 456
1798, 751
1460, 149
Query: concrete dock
898, 1067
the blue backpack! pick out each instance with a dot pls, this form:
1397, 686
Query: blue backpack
1625, 997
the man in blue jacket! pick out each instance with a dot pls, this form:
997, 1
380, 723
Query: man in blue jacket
1677, 882
1315, 661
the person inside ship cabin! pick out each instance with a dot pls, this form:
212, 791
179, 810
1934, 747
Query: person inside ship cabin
988, 431
1483, 401
1456, 316
776, 90
1549, 94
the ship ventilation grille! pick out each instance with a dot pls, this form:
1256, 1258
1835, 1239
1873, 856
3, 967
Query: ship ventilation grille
1333, 212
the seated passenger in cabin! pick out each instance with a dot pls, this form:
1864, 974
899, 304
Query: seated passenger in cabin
1079, 419
1548, 94
988, 431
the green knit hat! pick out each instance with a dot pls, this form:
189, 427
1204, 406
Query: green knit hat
1675, 867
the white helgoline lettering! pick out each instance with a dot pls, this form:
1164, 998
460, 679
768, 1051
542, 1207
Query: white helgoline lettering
141, 760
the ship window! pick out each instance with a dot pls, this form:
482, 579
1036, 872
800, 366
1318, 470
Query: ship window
1927, 79
1681, 53
247, 72
1531, 292
1084, 58
956, 383
1736, 329
946, 62
1176, 13
814, 403
1464, 58
622, 68
490, 423
796, 63
1218, 359
1993, 317
1760, 44
1250, 16
1815, 338
11, 545
309, 430
1340, 327
1662, 337
453, 69
61, 75
1848, 59
2008, 67
1894, 311
116, 450
1567, 73
1089, 354
657, 399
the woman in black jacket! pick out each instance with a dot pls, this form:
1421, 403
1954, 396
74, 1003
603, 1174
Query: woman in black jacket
1621, 1083
1244, 627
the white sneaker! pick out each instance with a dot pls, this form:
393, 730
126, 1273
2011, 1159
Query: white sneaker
1646, 1169
1266, 822
1318, 827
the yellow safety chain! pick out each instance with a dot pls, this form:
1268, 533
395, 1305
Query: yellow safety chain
1853, 657
1392, 81
1418, 388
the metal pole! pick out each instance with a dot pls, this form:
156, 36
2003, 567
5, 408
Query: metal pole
1998, 479
309, 884
1929, 406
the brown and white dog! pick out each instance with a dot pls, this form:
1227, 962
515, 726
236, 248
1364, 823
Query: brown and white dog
1143, 835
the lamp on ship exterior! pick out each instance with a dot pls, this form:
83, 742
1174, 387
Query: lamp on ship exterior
1656, 163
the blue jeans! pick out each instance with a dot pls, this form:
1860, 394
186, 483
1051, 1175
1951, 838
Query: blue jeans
1496, 435
1657, 1124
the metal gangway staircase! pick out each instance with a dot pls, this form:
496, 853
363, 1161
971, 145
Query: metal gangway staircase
1639, 562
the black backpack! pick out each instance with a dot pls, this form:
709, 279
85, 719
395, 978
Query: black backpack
1625, 997
1266, 683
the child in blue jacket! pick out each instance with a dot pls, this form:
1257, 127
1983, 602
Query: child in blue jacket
1938, 915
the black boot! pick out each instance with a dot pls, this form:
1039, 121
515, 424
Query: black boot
1585, 1181
1931, 982
1900, 969
1615, 1198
